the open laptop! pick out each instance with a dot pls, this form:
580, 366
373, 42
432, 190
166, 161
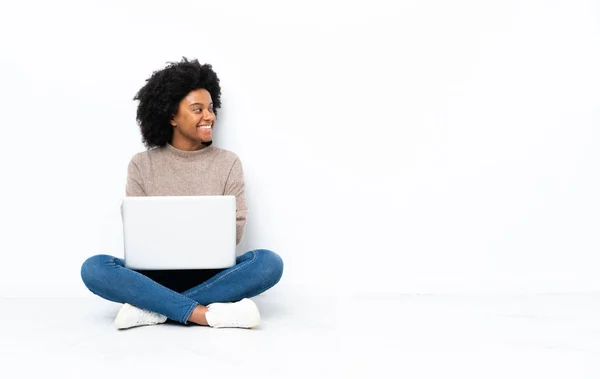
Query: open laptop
179, 232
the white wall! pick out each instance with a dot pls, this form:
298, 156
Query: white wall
428, 146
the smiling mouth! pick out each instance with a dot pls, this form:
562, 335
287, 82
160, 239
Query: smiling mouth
205, 127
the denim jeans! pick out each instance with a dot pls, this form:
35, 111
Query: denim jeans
254, 272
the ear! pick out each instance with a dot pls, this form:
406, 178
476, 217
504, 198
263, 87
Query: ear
172, 121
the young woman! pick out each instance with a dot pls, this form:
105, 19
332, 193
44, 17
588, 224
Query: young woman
176, 114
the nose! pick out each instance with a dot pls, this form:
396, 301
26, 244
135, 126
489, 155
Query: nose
208, 115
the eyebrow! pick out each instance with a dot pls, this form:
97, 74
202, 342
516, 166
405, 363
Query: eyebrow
191, 105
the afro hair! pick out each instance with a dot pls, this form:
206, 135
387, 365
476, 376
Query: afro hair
159, 98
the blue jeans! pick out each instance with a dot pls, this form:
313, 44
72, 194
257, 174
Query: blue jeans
254, 272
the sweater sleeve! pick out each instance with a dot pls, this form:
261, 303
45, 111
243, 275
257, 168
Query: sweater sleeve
135, 182
235, 186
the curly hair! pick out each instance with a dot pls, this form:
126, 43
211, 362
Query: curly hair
160, 96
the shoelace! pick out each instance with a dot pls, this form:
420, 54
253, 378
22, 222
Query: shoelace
147, 317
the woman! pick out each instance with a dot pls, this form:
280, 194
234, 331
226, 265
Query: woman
176, 113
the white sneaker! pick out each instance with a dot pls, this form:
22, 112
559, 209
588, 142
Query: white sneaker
130, 316
243, 314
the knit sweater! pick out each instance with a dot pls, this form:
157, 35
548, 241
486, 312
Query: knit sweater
168, 171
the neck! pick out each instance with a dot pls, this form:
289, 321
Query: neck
188, 145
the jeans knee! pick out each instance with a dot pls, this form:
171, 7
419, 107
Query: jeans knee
91, 269
273, 265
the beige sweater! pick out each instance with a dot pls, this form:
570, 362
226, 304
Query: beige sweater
168, 171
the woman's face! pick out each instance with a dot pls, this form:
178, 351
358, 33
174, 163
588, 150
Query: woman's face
193, 121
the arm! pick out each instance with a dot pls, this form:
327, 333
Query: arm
235, 186
135, 182
134, 185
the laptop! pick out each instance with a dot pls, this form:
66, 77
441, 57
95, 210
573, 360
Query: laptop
179, 232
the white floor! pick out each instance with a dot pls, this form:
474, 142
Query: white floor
403, 336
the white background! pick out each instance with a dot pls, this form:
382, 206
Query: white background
421, 147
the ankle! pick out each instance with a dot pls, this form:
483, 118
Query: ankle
198, 316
